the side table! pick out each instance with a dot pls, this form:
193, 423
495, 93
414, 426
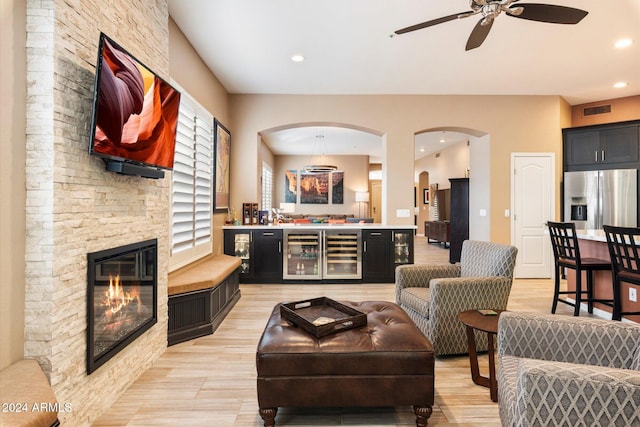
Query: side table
474, 320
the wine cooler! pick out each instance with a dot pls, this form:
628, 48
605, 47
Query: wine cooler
302, 255
322, 254
343, 251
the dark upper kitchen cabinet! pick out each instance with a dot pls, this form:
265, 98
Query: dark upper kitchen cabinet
619, 144
601, 146
580, 148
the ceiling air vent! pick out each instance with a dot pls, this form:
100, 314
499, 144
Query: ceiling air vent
592, 111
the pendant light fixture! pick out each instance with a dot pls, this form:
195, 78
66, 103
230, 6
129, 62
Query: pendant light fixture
319, 167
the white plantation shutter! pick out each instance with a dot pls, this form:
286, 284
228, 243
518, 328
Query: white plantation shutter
192, 182
203, 182
267, 187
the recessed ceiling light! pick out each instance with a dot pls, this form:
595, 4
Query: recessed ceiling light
620, 85
623, 43
297, 58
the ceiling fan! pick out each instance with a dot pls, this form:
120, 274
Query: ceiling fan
490, 9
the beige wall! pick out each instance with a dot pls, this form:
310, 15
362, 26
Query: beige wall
12, 181
450, 163
190, 72
513, 124
622, 109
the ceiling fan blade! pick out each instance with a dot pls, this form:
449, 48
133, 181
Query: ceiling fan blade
479, 33
550, 13
431, 23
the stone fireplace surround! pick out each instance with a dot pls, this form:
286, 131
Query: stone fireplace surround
74, 206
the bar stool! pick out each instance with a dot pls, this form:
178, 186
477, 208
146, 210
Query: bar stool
566, 253
624, 249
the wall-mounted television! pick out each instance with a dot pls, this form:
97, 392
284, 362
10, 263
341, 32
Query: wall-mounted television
135, 114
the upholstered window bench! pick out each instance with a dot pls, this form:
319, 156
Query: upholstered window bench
201, 295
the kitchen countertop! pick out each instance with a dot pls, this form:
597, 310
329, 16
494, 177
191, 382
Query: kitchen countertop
346, 226
595, 235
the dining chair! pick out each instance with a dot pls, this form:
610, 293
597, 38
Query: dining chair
624, 249
566, 254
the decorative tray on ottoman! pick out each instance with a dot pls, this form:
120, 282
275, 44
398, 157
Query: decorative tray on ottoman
322, 316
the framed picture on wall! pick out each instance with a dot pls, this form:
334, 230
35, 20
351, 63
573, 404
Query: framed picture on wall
425, 196
337, 188
222, 149
290, 186
314, 188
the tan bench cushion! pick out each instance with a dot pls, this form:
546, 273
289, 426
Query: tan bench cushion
203, 274
25, 386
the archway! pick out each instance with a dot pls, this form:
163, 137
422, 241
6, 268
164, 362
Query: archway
348, 148
466, 154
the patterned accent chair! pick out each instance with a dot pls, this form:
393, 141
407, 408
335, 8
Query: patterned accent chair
433, 295
567, 371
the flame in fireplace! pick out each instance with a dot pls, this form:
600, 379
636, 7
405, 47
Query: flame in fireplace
116, 298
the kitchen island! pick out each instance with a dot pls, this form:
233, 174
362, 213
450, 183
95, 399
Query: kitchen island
593, 243
320, 252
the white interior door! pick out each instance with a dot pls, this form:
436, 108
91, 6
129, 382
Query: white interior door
532, 205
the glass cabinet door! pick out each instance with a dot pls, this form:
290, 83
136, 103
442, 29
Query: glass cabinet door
303, 254
403, 247
242, 249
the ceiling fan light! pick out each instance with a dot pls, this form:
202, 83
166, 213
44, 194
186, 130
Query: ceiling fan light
515, 11
487, 20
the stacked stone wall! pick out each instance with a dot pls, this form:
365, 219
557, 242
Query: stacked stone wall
74, 206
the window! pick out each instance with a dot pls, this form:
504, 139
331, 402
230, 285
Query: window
192, 184
267, 187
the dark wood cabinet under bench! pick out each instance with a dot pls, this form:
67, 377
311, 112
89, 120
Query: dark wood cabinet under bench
201, 296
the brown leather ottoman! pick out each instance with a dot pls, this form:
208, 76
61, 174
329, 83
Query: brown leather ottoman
388, 362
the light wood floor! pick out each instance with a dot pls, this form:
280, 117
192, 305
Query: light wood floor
211, 381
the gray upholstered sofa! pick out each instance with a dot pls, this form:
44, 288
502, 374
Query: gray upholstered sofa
433, 295
567, 371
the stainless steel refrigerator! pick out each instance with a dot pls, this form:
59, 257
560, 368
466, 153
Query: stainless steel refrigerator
594, 198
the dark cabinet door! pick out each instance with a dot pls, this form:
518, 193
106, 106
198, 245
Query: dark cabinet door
377, 261
581, 148
267, 261
619, 145
602, 147
459, 219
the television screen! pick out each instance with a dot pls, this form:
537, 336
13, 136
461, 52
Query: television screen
135, 112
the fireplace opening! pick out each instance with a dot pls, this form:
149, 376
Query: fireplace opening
122, 298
